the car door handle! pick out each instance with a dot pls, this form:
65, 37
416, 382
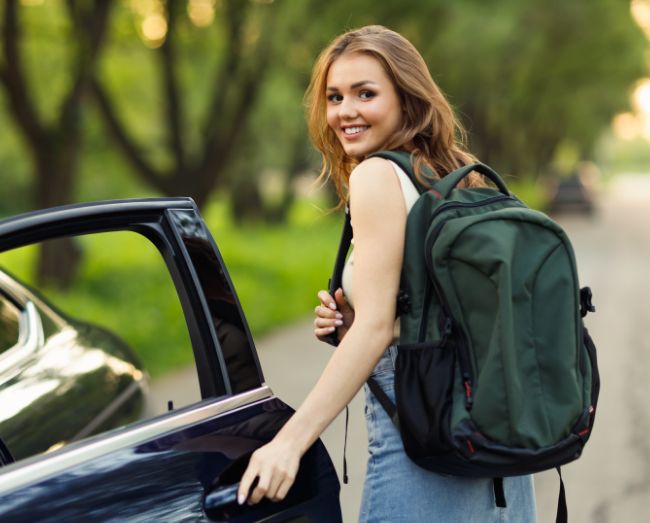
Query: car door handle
221, 497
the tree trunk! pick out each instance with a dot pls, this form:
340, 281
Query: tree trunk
58, 260
246, 202
55, 145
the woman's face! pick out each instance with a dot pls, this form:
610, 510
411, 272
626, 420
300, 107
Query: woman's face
363, 107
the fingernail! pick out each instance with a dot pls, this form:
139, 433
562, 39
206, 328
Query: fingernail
339, 316
338, 323
331, 329
240, 499
332, 305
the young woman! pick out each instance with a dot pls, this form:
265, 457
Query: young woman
370, 91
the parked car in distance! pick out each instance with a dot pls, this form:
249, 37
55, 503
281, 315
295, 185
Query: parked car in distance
184, 464
575, 193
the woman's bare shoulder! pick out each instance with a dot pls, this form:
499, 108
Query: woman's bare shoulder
371, 166
375, 190
373, 172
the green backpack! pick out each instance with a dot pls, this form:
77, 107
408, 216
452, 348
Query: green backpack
496, 374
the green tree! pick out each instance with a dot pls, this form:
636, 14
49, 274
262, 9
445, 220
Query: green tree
53, 140
211, 106
205, 84
529, 77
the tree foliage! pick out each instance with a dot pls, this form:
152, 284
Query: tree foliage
205, 83
213, 107
53, 140
528, 77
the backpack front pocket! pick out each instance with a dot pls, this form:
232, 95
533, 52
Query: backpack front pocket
510, 284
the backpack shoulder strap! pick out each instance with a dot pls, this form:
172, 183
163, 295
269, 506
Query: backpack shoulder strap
384, 401
336, 281
403, 160
447, 183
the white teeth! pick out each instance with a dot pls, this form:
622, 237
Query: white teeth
354, 130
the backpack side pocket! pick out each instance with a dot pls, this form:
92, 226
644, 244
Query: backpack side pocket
424, 379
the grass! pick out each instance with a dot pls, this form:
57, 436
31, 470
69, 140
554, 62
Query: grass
277, 270
528, 191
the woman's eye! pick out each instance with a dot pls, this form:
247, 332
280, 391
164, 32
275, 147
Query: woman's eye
334, 98
366, 95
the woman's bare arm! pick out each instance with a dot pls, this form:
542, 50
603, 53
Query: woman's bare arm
379, 220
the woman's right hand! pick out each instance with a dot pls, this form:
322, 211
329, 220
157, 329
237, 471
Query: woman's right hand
333, 313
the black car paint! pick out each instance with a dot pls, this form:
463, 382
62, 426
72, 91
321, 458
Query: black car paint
164, 469
168, 478
571, 194
87, 366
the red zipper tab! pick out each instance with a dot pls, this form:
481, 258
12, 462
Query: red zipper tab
469, 397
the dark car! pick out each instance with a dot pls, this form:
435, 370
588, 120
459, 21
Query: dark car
575, 193
49, 360
181, 465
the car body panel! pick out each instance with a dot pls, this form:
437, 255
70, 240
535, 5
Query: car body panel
167, 477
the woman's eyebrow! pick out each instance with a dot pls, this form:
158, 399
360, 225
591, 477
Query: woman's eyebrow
355, 85
361, 83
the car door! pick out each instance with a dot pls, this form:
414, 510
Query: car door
180, 465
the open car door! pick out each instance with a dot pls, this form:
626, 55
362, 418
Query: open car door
75, 442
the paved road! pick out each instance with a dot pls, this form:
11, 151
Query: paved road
611, 482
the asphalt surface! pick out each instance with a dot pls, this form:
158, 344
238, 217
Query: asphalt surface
611, 481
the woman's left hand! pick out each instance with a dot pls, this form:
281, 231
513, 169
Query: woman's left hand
276, 465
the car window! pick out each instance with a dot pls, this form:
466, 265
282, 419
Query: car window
9, 322
108, 347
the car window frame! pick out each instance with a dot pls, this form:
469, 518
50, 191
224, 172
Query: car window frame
156, 220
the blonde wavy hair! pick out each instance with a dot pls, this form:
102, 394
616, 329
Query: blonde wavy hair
430, 130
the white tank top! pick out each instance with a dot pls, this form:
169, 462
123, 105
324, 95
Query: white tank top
410, 194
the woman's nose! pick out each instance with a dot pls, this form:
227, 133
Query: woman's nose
348, 109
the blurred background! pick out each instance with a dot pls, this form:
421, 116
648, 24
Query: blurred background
204, 98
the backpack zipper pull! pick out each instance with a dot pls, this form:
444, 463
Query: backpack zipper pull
469, 394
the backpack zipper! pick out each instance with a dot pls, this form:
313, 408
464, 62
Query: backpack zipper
422, 331
461, 347
464, 358
488, 201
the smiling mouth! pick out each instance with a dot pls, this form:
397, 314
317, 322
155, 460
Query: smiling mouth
352, 131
